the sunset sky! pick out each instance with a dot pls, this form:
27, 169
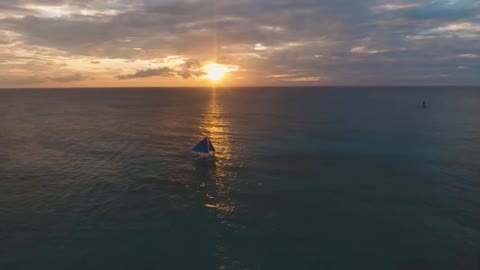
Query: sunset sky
111, 43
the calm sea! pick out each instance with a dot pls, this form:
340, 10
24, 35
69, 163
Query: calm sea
305, 178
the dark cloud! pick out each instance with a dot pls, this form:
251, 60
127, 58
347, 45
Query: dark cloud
190, 69
151, 72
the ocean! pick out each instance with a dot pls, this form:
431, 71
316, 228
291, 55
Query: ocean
304, 178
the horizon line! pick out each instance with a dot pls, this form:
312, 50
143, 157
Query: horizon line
223, 87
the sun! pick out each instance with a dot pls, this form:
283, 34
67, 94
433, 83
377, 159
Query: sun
216, 72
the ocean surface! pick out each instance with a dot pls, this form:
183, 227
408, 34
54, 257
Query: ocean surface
304, 178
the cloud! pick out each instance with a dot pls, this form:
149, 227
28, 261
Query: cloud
152, 72
9, 8
364, 50
461, 30
30, 80
21, 80
444, 10
303, 79
315, 41
70, 78
396, 7
469, 56
191, 68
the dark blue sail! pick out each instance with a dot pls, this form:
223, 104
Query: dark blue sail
212, 149
203, 146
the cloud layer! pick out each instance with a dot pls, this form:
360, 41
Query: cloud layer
301, 42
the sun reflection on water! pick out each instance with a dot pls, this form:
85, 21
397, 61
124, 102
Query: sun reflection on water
220, 180
216, 128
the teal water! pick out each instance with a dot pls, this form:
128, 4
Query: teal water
312, 178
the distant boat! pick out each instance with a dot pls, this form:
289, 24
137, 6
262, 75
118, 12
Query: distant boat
204, 148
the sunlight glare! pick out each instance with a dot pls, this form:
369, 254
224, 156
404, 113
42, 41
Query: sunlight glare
216, 72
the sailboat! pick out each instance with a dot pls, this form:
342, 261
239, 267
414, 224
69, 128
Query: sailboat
204, 148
